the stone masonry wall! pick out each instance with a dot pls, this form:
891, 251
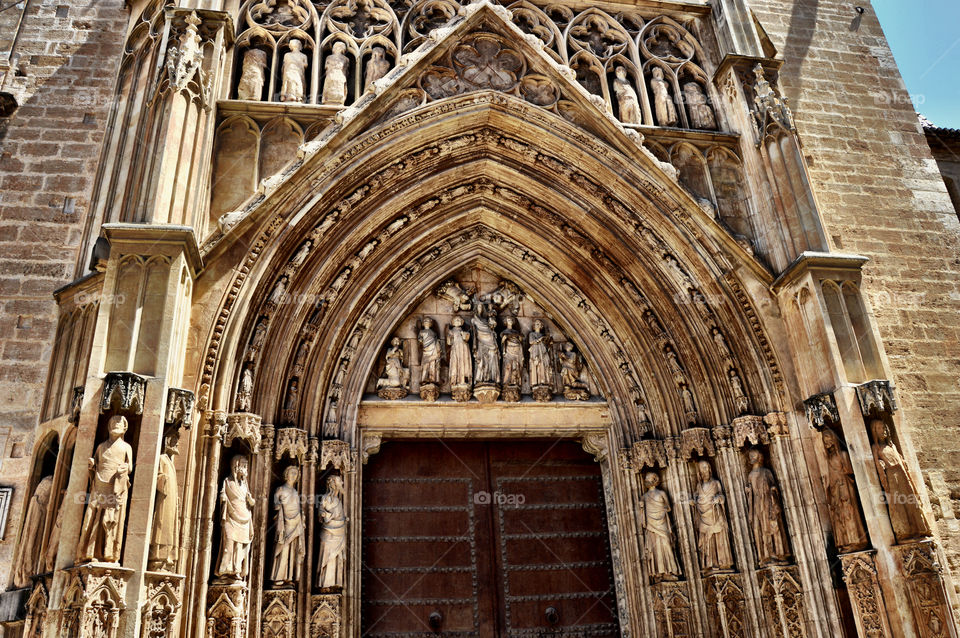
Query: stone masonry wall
69, 52
882, 196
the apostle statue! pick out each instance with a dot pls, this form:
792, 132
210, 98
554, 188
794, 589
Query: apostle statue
461, 364
377, 67
28, 559
511, 342
333, 536
848, 529
626, 97
571, 367
657, 531
712, 526
294, 80
902, 496
701, 115
335, 77
396, 379
663, 103
251, 82
289, 549
245, 390
541, 363
164, 539
236, 521
101, 535
431, 357
487, 354
766, 512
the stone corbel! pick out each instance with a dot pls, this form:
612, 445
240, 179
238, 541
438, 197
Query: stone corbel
370, 445
696, 441
123, 392
336, 454
750, 429
244, 427
179, 412
643, 454
596, 443
822, 411
876, 398
866, 598
291, 442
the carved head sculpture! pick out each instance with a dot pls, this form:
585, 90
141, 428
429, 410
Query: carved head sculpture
290, 475
334, 484
378, 53
568, 347
458, 322
509, 322
657, 73
755, 457
537, 325
395, 342
339, 48
171, 441
117, 425
427, 323
492, 322
651, 480
621, 73
704, 471
296, 45
880, 431
238, 467
831, 442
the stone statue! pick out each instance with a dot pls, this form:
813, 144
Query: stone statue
511, 342
461, 363
395, 382
657, 531
701, 115
712, 526
689, 406
278, 296
29, 558
626, 97
294, 81
848, 530
165, 537
335, 78
236, 522
245, 390
571, 367
541, 363
101, 536
766, 512
740, 399
663, 103
902, 496
293, 397
290, 549
300, 359
431, 357
53, 543
377, 67
333, 535
252, 77
487, 354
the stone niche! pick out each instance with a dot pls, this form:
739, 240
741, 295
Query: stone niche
478, 281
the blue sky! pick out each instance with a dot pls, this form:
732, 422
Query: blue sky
925, 38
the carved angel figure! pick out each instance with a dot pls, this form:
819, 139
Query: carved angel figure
333, 535
712, 527
236, 521
101, 536
657, 531
289, 550
766, 512
848, 529
293, 87
252, 78
335, 78
663, 104
903, 499
626, 97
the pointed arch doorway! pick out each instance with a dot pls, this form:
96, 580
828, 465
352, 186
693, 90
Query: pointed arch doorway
492, 539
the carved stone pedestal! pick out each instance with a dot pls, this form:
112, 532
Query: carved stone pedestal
486, 393
227, 610
672, 609
164, 598
37, 605
461, 393
725, 597
511, 393
928, 598
542, 393
94, 601
279, 613
576, 394
866, 598
325, 616
392, 394
782, 599
429, 391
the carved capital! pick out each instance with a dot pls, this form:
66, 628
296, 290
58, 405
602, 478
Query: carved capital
750, 429
179, 412
822, 410
722, 435
291, 442
123, 392
696, 441
876, 398
336, 454
245, 427
267, 432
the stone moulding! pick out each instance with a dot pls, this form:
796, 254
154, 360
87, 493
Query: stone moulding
876, 398
123, 392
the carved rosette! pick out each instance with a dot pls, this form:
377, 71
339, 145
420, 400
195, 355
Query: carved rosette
782, 599
725, 597
291, 442
648, 453
672, 609
876, 398
93, 601
279, 613
822, 410
325, 618
750, 429
226, 611
866, 598
696, 441
926, 587
164, 599
179, 411
243, 426
123, 392
336, 454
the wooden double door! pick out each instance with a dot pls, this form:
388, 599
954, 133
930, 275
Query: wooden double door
485, 539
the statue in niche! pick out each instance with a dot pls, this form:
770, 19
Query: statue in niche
848, 530
294, 80
335, 77
252, 77
291, 400
164, 539
675, 369
721, 344
461, 363
28, 561
278, 296
259, 336
541, 363
663, 104
101, 535
900, 491
431, 357
377, 67
571, 369
53, 543
740, 399
712, 527
657, 531
689, 406
626, 97
245, 390
333, 536
301, 256
701, 115
487, 354
300, 359
290, 549
511, 342
236, 522
395, 382
766, 512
